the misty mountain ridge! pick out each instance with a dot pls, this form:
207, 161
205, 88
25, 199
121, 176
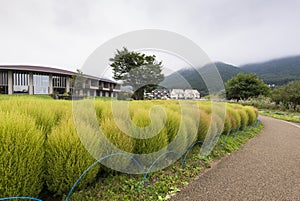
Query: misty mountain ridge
190, 77
277, 71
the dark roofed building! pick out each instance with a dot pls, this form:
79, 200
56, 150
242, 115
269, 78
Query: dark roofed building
16, 79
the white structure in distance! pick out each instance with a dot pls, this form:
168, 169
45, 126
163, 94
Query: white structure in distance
173, 94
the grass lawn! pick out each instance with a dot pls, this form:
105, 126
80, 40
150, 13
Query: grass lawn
283, 115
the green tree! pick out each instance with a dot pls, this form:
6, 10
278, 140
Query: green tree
288, 95
244, 86
140, 71
77, 80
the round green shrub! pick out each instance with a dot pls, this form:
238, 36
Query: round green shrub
235, 117
116, 136
118, 142
66, 159
186, 136
103, 109
172, 124
256, 111
251, 114
206, 107
222, 120
143, 143
217, 125
227, 124
204, 124
21, 156
244, 117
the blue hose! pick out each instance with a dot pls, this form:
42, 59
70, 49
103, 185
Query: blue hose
145, 175
20, 197
95, 163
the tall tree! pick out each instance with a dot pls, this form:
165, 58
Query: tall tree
142, 72
244, 86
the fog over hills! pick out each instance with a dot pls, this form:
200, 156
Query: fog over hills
190, 77
278, 71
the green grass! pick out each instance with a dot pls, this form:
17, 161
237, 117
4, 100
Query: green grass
24, 96
287, 116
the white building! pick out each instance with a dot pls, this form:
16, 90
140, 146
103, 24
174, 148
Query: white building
191, 94
158, 94
173, 94
184, 94
177, 94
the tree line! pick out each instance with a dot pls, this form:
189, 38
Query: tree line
246, 86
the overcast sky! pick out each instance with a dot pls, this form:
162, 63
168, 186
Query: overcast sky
64, 33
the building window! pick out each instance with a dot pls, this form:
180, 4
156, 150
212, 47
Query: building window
20, 81
3, 79
94, 83
3, 82
3, 89
59, 81
105, 85
40, 84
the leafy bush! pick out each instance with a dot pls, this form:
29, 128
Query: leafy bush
227, 123
116, 136
235, 117
252, 115
21, 155
143, 143
187, 135
206, 107
217, 124
288, 95
243, 114
172, 125
244, 117
66, 159
204, 124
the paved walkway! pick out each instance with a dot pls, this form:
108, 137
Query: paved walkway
266, 168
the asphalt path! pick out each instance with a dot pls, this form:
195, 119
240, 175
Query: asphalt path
267, 168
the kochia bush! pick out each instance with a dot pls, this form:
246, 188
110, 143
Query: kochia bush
204, 124
30, 127
143, 143
21, 155
235, 117
244, 117
66, 159
252, 115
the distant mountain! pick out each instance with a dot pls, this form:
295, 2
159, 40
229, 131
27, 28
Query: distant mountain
277, 71
189, 77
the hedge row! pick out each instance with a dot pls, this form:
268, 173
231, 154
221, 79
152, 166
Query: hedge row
39, 145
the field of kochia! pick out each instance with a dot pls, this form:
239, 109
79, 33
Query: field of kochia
41, 151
